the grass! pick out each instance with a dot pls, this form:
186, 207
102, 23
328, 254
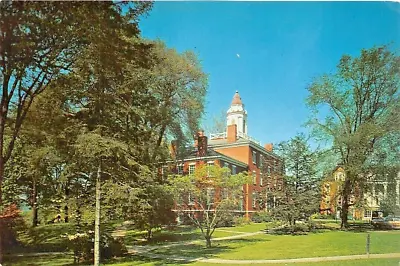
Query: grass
185, 233
278, 247
247, 228
141, 261
261, 246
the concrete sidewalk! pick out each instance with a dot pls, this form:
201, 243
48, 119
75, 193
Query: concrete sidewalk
277, 261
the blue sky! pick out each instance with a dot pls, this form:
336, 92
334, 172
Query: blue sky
282, 46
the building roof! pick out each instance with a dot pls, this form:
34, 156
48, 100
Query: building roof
212, 154
236, 99
223, 143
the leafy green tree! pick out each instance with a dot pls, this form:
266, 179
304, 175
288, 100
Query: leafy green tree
362, 104
209, 197
39, 43
297, 194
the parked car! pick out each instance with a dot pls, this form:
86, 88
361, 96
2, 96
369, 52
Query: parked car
389, 222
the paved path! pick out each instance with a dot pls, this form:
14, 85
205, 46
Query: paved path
316, 259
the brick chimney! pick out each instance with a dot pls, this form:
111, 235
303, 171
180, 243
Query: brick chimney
173, 148
201, 142
269, 147
232, 133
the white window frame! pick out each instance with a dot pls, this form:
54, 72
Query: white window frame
192, 168
254, 157
210, 196
234, 170
190, 199
254, 174
179, 169
254, 200
209, 163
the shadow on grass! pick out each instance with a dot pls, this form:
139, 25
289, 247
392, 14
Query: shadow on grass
196, 250
44, 238
48, 238
162, 236
65, 260
141, 260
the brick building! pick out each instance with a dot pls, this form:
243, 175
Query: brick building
362, 203
236, 150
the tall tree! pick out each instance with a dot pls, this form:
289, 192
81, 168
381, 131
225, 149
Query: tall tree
209, 197
362, 104
296, 196
38, 43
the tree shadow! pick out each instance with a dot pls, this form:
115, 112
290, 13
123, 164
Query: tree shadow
177, 234
142, 260
196, 250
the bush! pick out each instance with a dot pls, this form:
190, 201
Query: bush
260, 217
240, 220
322, 216
10, 221
297, 229
82, 244
272, 225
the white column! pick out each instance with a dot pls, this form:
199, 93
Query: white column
398, 192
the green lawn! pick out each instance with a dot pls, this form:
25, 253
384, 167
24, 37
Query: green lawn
248, 228
185, 233
140, 261
261, 246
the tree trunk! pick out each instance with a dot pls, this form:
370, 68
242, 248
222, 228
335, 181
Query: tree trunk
2, 164
149, 234
97, 220
208, 241
66, 220
66, 210
34, 205
345, 204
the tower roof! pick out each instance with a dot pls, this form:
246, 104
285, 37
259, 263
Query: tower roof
236, 99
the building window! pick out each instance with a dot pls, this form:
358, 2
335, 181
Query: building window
241, 204
233, 169
209, 164
261, 180
269, 170
327, 188
254, 200
190, 199
339, 177
254, 177
254, 157
224, 193
261, 161
210, 196
192, 167
179, 169
368, 214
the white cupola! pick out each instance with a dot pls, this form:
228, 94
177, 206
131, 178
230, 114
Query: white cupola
237, 115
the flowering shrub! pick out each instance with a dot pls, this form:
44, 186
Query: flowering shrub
10, 220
